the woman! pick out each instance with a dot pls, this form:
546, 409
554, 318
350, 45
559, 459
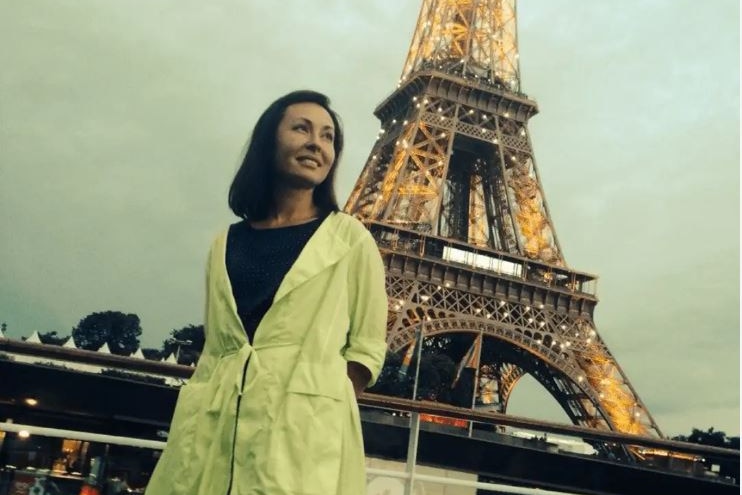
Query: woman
295, 326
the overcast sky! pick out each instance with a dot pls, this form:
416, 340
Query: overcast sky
122, 123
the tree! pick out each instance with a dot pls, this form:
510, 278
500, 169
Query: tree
152, 354
187, 342
389, 382
709, 437
52, 338
727, 468
119, 330
437, 371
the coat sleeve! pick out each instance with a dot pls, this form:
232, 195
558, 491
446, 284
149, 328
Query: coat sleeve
206, 360
367, 305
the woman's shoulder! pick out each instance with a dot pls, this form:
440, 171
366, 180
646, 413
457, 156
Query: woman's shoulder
218, 235
348, 221
349, 228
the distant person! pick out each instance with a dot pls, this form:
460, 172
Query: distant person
295, 326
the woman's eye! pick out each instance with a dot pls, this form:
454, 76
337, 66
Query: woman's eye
300, 127
329, 137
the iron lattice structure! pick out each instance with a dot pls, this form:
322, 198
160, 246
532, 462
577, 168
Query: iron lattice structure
452, 195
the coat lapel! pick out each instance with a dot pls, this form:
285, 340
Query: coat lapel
324, 249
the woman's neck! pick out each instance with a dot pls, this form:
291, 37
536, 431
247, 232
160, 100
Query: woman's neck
292, 207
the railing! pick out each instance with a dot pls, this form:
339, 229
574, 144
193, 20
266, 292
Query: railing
376, 401
404, 412
423, 245
67, 355
434, 70
409, 475
46, 477
498, 419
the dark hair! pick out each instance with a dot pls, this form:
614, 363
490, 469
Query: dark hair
251, 192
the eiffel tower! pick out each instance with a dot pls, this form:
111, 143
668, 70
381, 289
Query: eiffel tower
452, 196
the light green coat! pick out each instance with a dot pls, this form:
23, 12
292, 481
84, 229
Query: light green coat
293, 427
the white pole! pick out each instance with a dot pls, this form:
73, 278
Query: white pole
448, 481
82, 435
476, 375
412, 452
419, 357
414, 419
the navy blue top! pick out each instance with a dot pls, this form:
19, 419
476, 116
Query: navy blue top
257, 261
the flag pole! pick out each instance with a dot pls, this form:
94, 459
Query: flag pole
419, 355
476, 376
414, 417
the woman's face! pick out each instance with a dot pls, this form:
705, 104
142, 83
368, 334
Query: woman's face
304, 146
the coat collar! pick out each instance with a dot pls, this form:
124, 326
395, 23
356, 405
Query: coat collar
324, 249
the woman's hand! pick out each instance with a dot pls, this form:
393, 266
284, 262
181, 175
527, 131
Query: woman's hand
359, 375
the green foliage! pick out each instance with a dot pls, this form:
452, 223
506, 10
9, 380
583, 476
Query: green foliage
52, 338
152, 354
119, 330
437, 371
714, 438
389, 381
710, 437
187, 352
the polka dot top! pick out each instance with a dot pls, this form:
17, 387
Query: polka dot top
257, 261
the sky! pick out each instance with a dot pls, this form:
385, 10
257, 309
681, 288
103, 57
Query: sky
123, 122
